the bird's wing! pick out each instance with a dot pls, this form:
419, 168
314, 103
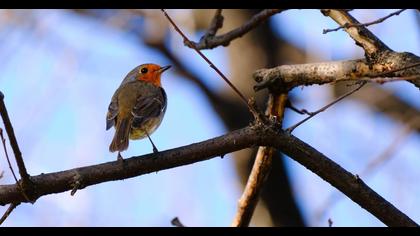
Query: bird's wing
112, 112
149, 106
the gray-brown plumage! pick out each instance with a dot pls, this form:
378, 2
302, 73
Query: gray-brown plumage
137, 106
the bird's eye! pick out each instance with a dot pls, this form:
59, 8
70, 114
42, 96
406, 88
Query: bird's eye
143, 70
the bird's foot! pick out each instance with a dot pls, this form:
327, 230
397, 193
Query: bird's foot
120, 158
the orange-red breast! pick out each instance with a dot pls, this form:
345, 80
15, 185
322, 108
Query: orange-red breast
137, 106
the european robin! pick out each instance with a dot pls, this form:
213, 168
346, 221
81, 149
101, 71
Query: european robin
137, 106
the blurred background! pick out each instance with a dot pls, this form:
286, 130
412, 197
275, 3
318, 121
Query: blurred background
60, 68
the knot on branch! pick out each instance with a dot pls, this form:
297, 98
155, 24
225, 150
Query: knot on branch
77, 183
271, 79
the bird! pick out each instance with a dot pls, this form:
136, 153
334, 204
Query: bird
137, 107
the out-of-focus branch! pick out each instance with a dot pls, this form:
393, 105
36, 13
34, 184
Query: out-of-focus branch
209, 41
215, 25
261, 168
290, 76
391, 105
260, 135
176, 222
380, 20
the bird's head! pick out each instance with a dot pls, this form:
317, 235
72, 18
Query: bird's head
151, 73
146, 72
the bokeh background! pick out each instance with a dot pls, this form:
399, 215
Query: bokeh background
59, 69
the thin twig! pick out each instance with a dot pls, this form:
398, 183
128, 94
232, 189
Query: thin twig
7, 155
348, 25
211, 41
299, 111
262, 166
176, 222
13, 142
290, 129
251, 105
8, 211
3, 140
364, 38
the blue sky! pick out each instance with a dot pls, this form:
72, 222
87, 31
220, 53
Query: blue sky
58, 78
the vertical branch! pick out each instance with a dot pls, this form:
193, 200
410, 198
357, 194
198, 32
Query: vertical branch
261, 168
13, 142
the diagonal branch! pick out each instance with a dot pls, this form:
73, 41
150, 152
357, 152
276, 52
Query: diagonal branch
380, 20
312, 114
349, 184
13, 143
250, 103
372, 45
210, 41
8, 211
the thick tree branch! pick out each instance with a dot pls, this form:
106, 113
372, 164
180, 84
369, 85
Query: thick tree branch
380, 20
209, 41
298, 150
261, 168
372, 45
290, 76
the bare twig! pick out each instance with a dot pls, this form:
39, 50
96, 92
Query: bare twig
312, 114
247, 137
250, 103
176, 222
212, 41
299, 111
261, 167
13, 142
8, 211
7, 155
380, 20
371, 44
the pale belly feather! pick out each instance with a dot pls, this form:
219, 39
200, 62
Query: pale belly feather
151, 125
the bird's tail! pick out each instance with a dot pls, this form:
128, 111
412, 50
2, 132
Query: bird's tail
122, 133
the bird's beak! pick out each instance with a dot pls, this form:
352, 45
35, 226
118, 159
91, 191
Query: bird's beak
163, 68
